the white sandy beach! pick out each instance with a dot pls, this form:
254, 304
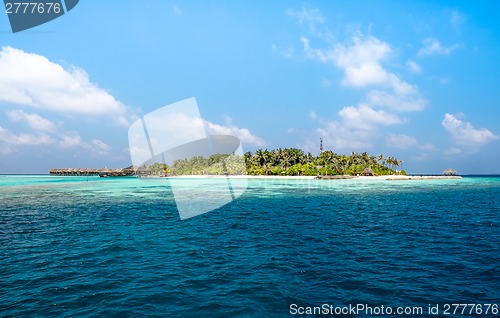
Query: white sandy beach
365, 178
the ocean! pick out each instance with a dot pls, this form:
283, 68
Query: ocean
95, 247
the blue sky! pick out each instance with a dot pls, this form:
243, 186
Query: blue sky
414, 80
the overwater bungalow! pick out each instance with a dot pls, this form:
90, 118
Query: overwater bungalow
130, 170
74, 172
104, 172
450, 172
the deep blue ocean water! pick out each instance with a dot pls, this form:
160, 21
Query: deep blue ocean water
91, 247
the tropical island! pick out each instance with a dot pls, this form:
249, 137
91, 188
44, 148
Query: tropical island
279, 162
292, 162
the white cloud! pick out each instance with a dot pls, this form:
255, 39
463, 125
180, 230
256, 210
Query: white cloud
309, 16
11, 138
229, 129
361, 60
413, 67
396, 102
100, 146
228, 120
464, 133
366, 118
313, 115
358, 127
73, 140
139, 152
427, 147
433, 46
339, 136
364, 74
182, 123
33, 120
32, 80
400, 141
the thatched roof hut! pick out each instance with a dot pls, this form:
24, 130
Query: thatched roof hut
104, 172
130, 171
450, 172
368, 172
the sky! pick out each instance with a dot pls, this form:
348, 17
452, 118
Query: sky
415, 80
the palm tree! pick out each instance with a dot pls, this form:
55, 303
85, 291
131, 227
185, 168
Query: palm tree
365, 159
268, 168
393, 162
278, 158
388, 162
295, 156
345, 163
268, 162
259, 157
396, 162
355, 158
268, 156
309, 158
286, 159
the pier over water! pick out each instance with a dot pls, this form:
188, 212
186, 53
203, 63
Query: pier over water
104, 172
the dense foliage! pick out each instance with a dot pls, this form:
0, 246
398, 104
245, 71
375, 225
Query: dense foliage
293, 161
289, 161
217, 164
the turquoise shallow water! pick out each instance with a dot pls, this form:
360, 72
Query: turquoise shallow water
117, 248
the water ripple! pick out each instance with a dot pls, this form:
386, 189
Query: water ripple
119, 249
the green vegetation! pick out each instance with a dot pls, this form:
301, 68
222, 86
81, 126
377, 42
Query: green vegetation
218, 164
289, 161
293, 161
159, 169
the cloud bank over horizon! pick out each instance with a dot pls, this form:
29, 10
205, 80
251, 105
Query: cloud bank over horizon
393, 79
30, 82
